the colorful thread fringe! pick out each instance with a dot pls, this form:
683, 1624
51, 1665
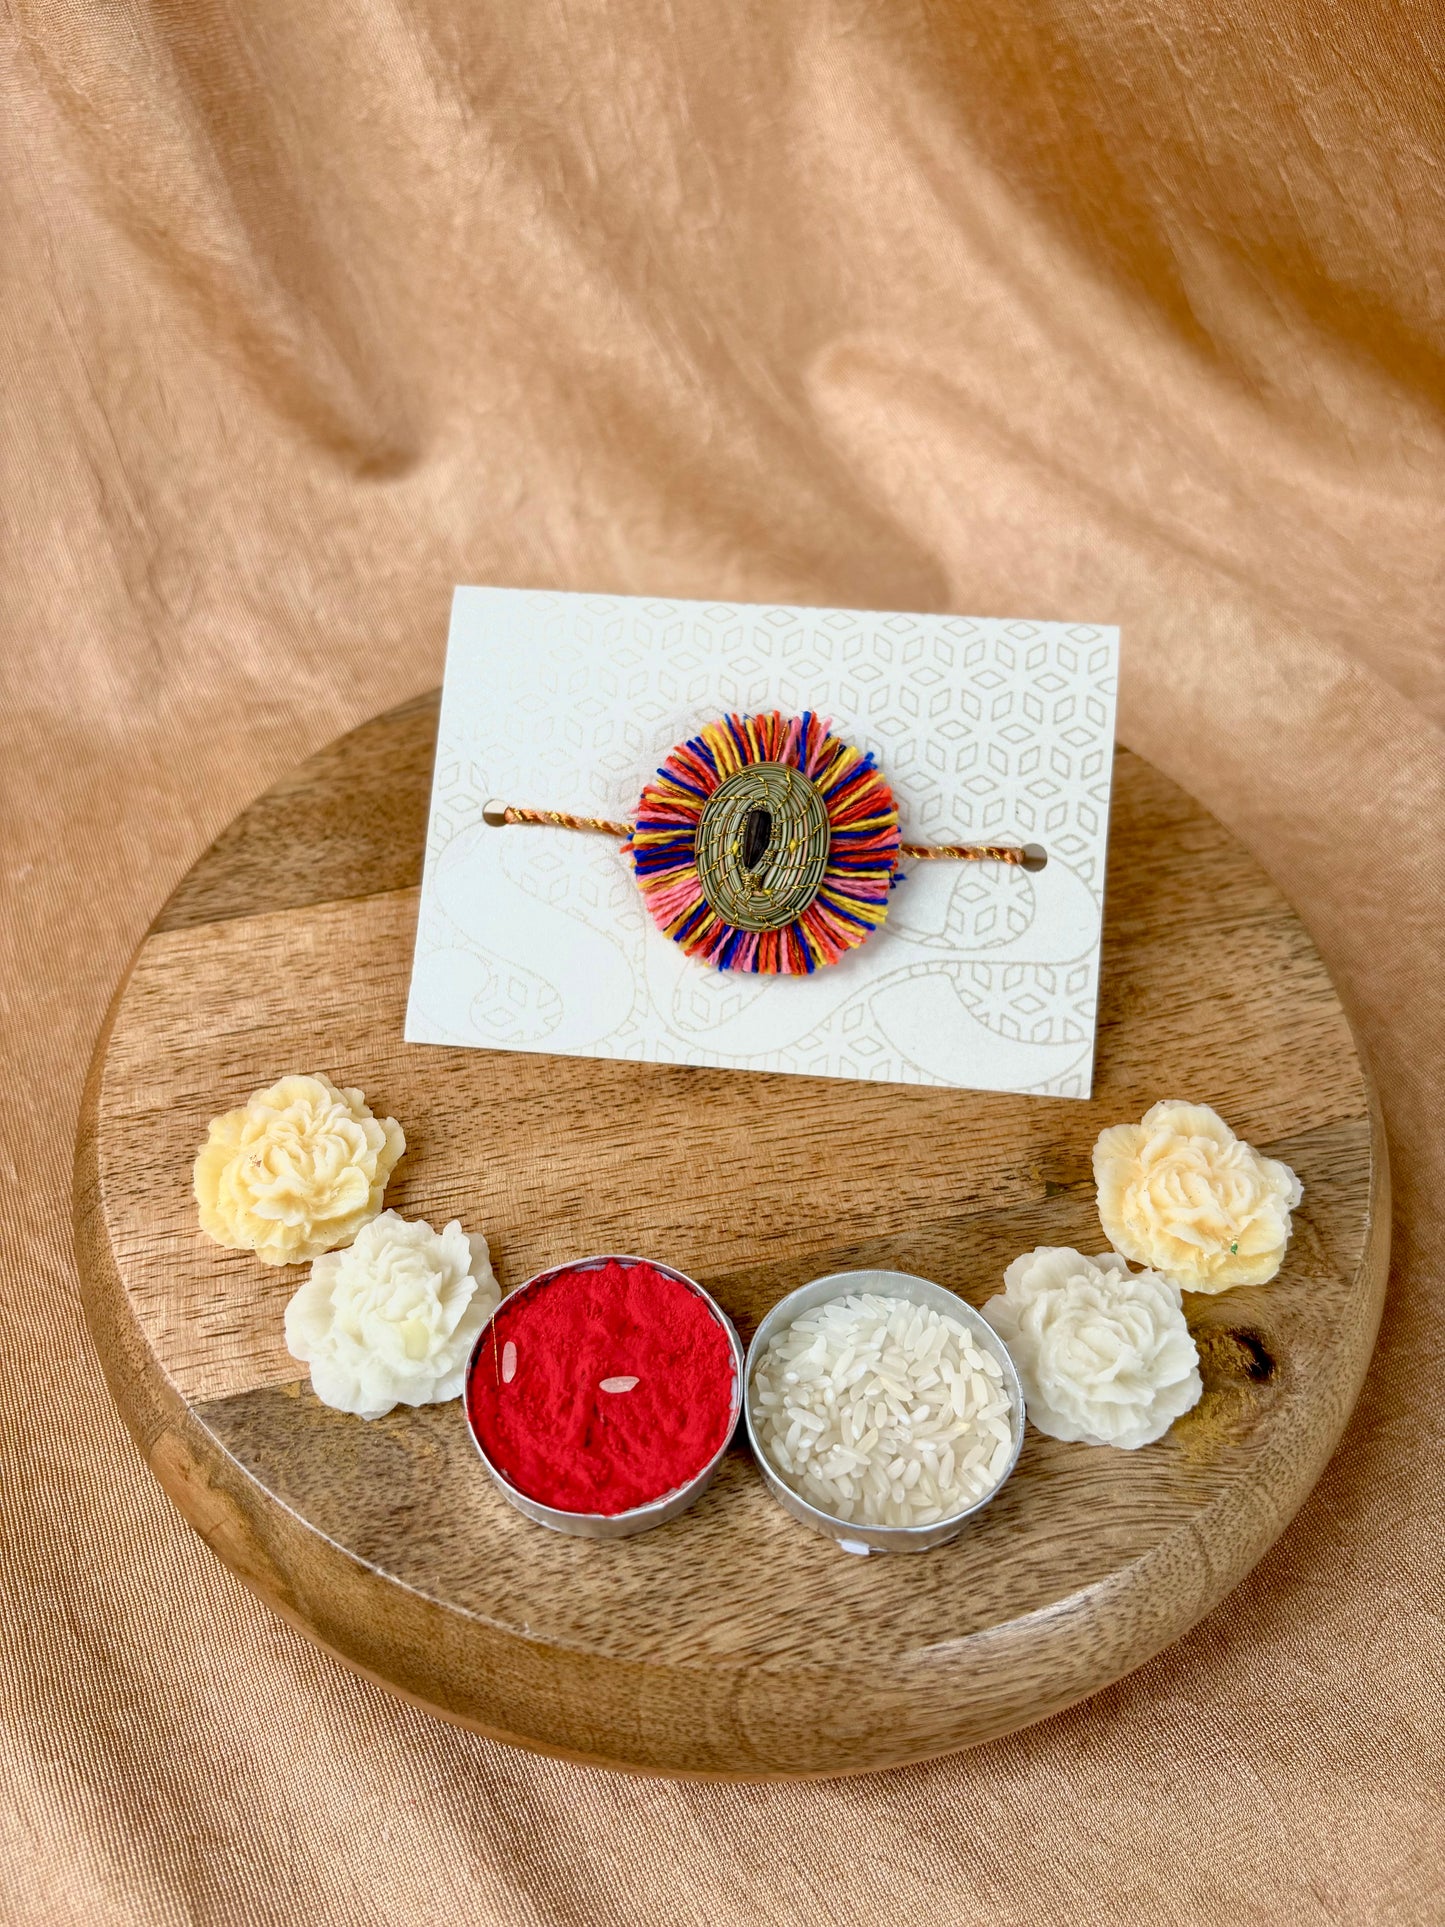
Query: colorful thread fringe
852, 900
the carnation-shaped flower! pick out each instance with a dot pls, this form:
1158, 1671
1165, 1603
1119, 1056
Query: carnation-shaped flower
1102, 1352
393, 1318
298, 1171
1181, 1193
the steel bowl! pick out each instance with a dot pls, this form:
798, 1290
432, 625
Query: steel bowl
851, 1536
642, 1518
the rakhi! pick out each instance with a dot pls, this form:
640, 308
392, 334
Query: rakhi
768, 844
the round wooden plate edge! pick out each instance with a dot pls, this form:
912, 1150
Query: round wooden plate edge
207, 1485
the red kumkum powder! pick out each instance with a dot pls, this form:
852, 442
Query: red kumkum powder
556, 1435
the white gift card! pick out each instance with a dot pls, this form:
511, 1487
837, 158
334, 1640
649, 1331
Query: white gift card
984, 975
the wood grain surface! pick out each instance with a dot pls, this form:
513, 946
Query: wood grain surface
733, 1642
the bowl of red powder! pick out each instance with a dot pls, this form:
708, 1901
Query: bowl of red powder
602, 1395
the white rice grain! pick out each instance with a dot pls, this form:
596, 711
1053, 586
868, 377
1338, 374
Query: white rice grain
838, 1406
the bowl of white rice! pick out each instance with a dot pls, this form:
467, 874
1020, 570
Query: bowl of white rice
881, 1409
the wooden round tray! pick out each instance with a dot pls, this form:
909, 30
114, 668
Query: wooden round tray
732, 1642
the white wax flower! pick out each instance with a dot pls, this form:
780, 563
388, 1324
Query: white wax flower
1181, 1193
393, 1318
297, 1171
1103, 1353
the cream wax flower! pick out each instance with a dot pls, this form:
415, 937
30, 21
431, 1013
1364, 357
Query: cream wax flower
298, 1171
393, 1318
1103, 1353
1182, 1193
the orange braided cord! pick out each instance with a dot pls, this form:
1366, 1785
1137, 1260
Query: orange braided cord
957, 852
559, 819
965, 852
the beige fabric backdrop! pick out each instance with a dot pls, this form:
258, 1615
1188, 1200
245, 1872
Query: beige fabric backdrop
1051, 308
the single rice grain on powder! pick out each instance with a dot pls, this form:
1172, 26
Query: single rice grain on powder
882, 1412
